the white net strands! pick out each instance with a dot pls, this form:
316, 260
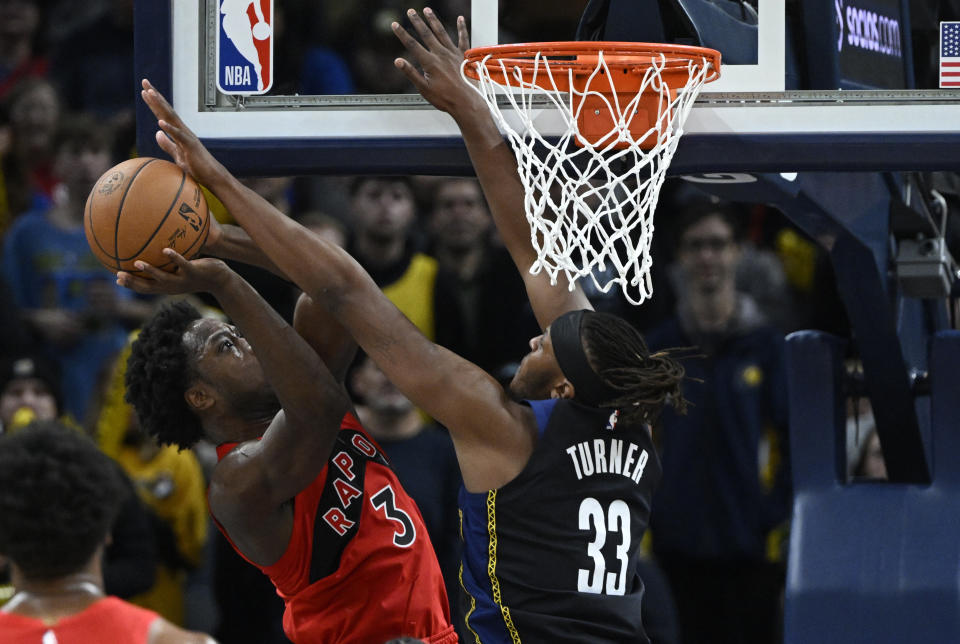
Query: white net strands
590, 205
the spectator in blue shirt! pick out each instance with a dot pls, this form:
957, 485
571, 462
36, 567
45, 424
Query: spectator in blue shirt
725, 487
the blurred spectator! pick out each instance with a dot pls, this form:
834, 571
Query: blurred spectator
871, 465
327, 194
32, 110
481, 304
864, 453
371, 57
55, 543
725, 488
13, 332
170, 483
93, 68
64, 17
422, 456
329, 228
383, 213
67, 297
302, 65
760, 275
30, 393
19, 35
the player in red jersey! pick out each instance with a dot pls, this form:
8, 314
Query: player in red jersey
300, 490
59, 495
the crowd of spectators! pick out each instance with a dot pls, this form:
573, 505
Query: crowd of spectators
66, 115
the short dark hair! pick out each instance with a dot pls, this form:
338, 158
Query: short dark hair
59, 495
356, 182
693, 213
645, 382
159, 372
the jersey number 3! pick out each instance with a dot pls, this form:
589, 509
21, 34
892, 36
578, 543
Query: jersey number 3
405, 533
617, 520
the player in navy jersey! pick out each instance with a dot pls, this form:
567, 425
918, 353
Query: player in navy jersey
557, 490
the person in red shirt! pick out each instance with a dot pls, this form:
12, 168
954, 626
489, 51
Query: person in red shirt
300, 490
58, 497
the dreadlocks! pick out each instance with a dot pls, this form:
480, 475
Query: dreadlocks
645, 382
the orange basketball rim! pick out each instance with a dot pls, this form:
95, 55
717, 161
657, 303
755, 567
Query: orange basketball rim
574, 67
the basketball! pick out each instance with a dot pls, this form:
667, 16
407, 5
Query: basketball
141, 206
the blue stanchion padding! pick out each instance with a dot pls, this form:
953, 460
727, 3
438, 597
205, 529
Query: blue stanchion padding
870, 562
814, 372
945, 410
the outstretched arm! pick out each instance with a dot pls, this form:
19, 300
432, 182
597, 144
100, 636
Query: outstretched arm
440, 83
329, 339
334, 344
231, 242
493, 435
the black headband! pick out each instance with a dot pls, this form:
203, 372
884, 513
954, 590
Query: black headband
568, 348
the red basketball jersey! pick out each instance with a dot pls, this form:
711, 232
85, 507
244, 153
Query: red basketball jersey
107, 620
359, 566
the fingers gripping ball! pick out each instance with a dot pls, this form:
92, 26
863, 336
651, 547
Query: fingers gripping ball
141, 206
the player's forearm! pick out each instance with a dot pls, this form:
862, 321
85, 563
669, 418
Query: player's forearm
333, 279
321, 269
234, 243
496, 169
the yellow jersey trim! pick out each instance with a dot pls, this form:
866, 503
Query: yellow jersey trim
492, 566
473, 601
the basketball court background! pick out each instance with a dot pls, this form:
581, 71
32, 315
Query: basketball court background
818, 114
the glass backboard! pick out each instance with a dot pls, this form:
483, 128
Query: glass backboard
783, 111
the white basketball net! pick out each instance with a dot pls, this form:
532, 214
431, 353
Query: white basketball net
593, 205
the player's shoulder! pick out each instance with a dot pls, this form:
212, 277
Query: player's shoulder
164, 632
235, 475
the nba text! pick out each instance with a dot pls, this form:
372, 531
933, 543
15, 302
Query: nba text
607, 456
237, 74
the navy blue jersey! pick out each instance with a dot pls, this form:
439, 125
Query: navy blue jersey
551, 556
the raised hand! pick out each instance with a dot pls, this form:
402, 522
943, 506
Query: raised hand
177, 140
438, 79
192, 276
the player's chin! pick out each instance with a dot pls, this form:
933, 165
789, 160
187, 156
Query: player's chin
515, 389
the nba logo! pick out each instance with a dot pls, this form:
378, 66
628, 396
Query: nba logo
245, 46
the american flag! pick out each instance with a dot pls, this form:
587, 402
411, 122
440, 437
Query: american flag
950, 54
